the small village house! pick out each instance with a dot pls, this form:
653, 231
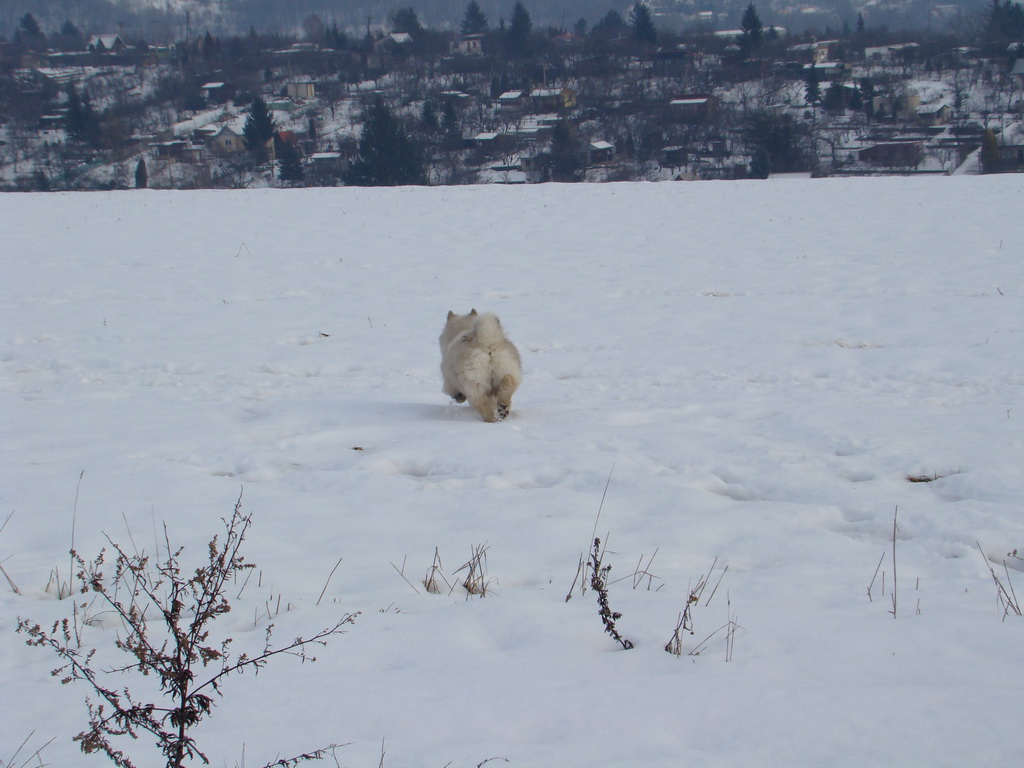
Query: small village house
106, 43
301, 90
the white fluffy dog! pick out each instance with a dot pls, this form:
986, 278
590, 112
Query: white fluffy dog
479, 364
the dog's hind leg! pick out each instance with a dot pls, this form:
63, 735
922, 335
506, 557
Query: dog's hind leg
485, 406
506, 388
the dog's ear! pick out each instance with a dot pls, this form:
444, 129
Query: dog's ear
472, 312
450, 314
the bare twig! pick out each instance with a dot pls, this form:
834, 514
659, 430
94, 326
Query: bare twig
875, 576
433, 572
316, 754
14, 587
12, 758
401, 572
475, 581
895, 528
642, 573
1005, 593
74, 519
581, 570
331, 574
717, 583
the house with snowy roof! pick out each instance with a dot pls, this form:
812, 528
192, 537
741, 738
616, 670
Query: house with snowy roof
553, 98
694, 105
600, 151
301, 90
217, 93
226, 140
934, 114
394, 43
470, 45
106, 43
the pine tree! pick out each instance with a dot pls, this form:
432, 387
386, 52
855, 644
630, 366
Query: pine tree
141, 175
428, 115
611, 22
259, 128
289, 164
29, 26
1004, 21
474, 21
753, 32
69, 38
774, 144
565, 162
812, 89
519, 30
406, 20
80, 120
644, 31
336, 38
387, 156
760, 164
989, 152
450, 127
29, 33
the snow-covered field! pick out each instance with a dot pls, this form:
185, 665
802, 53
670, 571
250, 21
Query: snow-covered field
757, 367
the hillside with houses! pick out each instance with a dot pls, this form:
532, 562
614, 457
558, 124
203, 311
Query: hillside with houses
622, 99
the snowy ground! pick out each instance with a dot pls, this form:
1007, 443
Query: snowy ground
757, 366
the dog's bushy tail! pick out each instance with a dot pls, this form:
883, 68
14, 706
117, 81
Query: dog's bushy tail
487, 329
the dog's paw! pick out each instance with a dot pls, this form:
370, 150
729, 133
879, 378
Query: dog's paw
458, 397
503, 410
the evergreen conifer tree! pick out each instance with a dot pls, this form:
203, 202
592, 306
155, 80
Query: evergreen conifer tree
141, 174
566, 164
774, 144
644, 31
29, 26
989, 152
473, 21
760, 164
69, 38
259, 128
387, 156
1004, 21
753, 32
611, 22
812, 89
29, 33
428, 115
210, 46
406, 20
289, 164
80, 120
519, 29
450, 126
